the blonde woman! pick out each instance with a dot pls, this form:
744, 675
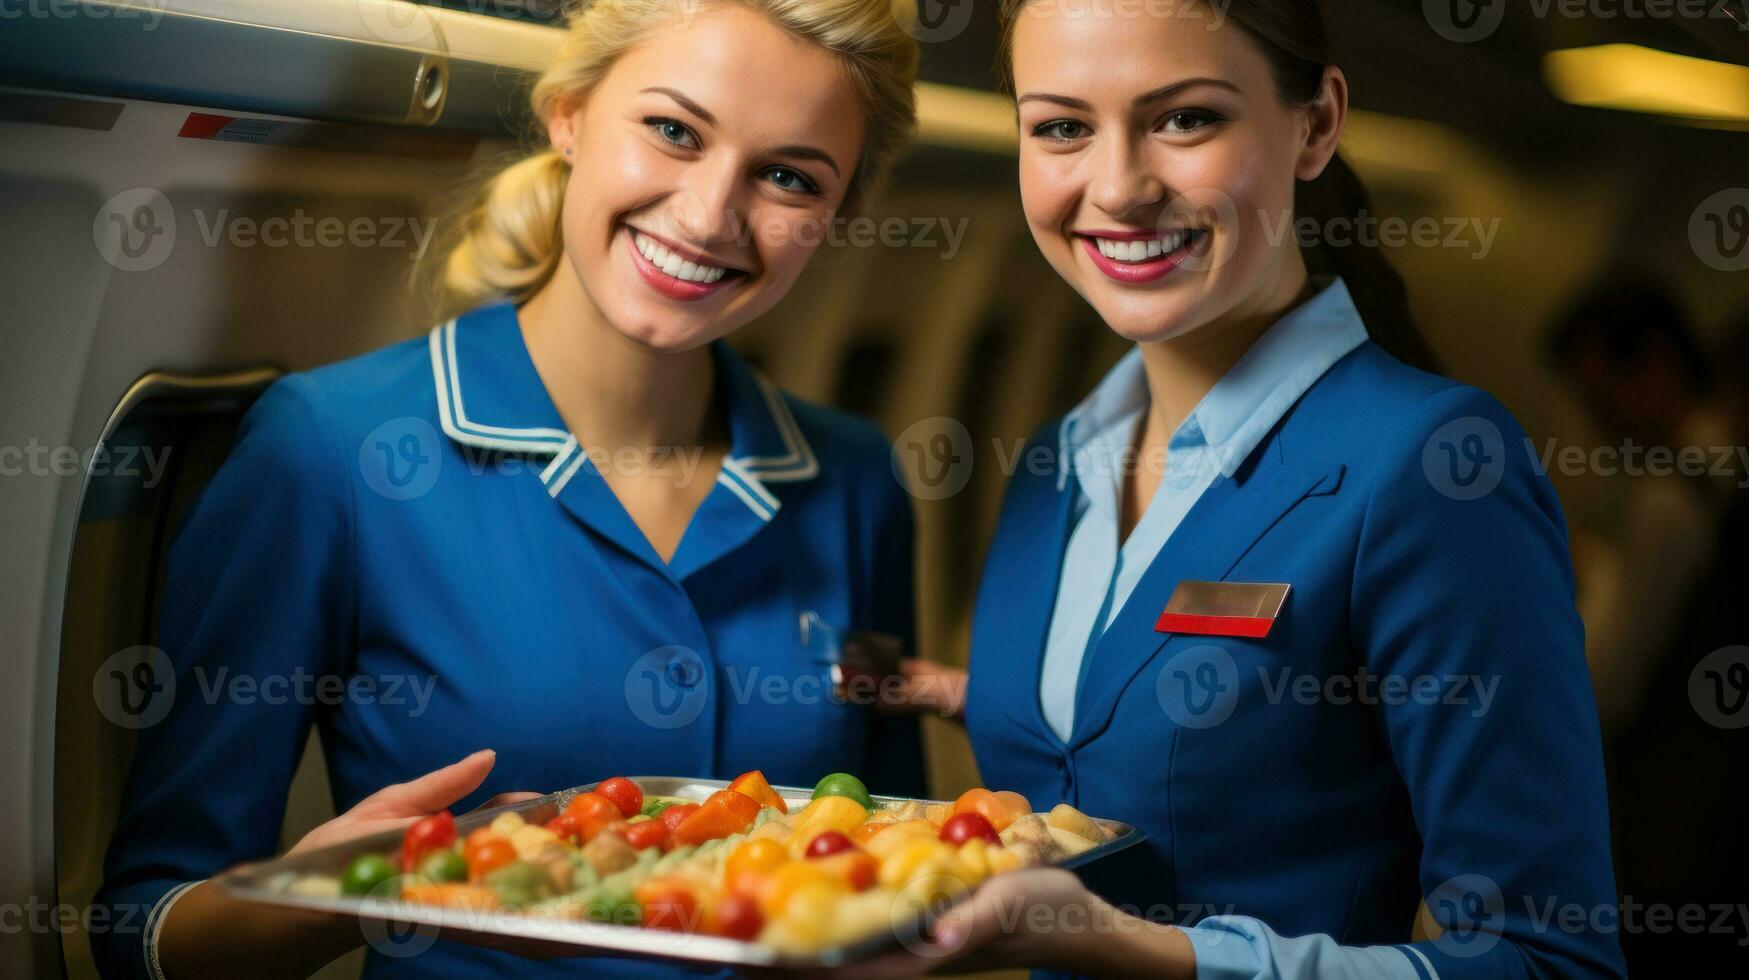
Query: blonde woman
569, 524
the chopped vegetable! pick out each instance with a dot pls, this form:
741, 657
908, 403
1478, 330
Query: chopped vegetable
444, 866
425, 835
753, 785
364, 873
844, 784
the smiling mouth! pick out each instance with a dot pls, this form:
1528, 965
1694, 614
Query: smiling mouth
685, 267
1137, 258
1141, 250
676, 272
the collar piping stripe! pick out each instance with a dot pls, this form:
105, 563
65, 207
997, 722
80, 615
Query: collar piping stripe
745, 476
456, 423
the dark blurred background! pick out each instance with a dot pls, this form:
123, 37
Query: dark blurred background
1579, 170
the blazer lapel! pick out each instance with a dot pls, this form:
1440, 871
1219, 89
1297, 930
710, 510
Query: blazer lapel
1019, 592
1222, 526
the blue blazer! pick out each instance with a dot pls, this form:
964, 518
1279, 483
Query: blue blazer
417, 525
1460, 760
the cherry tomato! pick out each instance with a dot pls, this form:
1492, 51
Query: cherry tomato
425, 835
592, 811
734, 917
987, 805
489, 857
646, 833
962, 827
827, 843
565, 826
751, 863
674, 815
674, 909
624, 793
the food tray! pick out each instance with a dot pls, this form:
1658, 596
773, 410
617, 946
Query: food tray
403, 928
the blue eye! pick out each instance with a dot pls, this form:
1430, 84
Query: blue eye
790, 179
1061, 130
672, 131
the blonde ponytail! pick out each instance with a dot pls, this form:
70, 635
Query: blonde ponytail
512, 241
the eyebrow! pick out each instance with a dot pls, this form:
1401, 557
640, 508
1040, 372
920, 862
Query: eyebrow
686, 103
804, 152
1164, 91
799, 151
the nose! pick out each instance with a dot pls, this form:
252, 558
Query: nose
1123, 182
706, 207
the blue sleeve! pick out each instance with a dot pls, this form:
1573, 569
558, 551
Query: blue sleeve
257, 594
894, 764
1463, 572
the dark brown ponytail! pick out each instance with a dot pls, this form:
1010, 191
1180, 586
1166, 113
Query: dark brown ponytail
1291, 35
1335, 200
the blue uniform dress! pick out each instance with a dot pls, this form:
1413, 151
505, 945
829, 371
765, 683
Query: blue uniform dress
1417, 724
408, 551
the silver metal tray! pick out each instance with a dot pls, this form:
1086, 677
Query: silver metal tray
403, 928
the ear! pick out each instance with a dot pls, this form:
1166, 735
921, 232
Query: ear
1326, 117
562, 125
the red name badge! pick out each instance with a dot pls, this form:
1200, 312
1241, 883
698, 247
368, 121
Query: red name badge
1246, 609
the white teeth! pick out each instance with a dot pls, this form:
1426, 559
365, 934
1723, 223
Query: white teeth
674, 265
1140, 251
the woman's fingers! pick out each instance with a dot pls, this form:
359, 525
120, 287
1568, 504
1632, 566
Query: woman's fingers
435, 790
927, 687
395, 807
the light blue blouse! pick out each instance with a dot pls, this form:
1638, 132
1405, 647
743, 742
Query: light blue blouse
1217, 435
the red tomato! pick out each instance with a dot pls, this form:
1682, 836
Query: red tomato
646, 833
592, 811
624, 793
489, 857
565, 826
674, 909
672, 816
427, 834
964, 826
827, 843
735, 917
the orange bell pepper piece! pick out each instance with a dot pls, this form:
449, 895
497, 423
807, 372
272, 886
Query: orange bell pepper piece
753, 785
725, 812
